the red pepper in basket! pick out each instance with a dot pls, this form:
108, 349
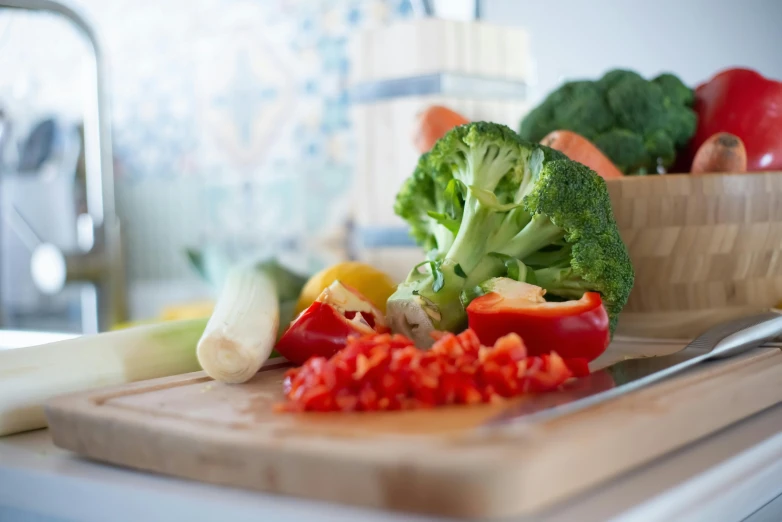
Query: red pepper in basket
748, 105
575, 329
322, 329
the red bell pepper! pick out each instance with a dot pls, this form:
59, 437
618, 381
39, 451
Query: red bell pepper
323, 329
748, 105
573, 329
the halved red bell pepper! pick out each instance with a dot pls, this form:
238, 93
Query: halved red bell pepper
575, 329
323, 329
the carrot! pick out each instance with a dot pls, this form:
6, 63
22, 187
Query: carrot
722, 152
433, 123
580, 149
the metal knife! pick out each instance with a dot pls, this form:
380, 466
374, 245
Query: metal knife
721, 341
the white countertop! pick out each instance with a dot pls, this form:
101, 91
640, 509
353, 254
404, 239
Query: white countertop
726, 477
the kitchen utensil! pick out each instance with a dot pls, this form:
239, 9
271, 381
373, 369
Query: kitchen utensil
432, 461
724, 340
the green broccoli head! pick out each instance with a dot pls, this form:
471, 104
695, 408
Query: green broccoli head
526, 212
621, 103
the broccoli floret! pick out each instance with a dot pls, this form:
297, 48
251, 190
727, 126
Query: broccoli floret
621, 103
430, 205
681, 126
637, 105
614, 76
660, 148
625, 148
578, 104
581, 103
673, 89
528, 213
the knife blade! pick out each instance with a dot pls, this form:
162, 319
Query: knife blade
724, 340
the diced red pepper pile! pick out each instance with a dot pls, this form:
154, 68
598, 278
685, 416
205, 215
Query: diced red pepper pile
387, 372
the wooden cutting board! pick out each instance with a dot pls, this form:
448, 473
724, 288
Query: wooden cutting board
444, 462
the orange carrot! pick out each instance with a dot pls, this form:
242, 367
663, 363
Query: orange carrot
722, 152
580, 149
433, 123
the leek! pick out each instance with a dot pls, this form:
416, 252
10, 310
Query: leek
31, 375
245, 324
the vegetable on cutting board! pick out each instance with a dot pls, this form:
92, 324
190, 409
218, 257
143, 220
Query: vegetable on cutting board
367, 280
323, 328
432, 123
745, 104
580, 149
641, 125
385, 372
31, 375
486, 204
722, 152
240, 334
576, 329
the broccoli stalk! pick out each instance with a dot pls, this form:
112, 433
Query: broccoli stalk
511, 208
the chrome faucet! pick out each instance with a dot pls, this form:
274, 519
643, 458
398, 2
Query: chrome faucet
98, 258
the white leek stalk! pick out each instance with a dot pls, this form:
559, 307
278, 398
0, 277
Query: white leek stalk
29, 376
242, 331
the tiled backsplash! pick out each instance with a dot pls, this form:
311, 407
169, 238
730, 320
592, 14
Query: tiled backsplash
230, 120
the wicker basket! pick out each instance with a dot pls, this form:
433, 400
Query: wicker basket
705, 249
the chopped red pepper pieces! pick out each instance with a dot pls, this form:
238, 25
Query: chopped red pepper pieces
387, 372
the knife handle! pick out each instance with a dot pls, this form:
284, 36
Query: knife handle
747, 338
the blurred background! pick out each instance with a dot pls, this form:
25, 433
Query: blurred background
275, 127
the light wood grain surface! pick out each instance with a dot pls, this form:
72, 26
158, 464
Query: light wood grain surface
702, 243
442, 462
426, 46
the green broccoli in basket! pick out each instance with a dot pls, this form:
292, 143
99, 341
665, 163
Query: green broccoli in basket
639, 124
486, 203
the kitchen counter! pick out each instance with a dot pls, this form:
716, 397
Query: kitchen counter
727, 477
20, 338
